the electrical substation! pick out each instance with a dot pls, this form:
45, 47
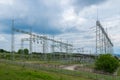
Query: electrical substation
72, 51
59, 40
51, 49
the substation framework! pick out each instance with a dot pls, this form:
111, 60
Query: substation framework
33, 37
42, 41
103, 42
62, 55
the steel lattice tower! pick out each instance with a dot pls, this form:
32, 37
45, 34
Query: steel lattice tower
103, 42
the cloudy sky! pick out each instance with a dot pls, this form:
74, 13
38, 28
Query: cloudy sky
69, 20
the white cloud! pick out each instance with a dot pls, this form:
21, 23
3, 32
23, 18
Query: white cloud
2, 38
6, 2
62, 14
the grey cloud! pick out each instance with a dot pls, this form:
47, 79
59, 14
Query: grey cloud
40, 14
80, 4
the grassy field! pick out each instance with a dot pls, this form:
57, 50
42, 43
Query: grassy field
118, 71
30, 70
12, 72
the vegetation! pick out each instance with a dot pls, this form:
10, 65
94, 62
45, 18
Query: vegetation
25, 51
12, 72
4, 51
13, 68
107, 63
20, 51
28, 71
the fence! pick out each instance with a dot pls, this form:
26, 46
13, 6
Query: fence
55, 68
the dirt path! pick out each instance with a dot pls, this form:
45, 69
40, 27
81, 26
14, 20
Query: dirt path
70, 67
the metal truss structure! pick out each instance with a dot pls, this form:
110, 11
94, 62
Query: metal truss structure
44, 44
34, 37
103, 42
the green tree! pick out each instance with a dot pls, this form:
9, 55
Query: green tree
2, 50
20, 51
26, 51
106, 63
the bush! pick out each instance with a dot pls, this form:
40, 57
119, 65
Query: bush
20, 51
106, 63
25, 51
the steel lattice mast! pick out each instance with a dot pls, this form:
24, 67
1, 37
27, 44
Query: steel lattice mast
32, 36
103, 42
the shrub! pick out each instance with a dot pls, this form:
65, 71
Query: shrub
25, 51
106, 63
20, 51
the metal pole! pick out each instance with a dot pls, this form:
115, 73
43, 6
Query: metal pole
53, 45
22, 53
12, 41
30, 47
96, 38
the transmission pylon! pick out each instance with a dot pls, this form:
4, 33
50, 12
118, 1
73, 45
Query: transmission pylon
103, 42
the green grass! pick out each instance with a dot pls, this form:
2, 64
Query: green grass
12, 72
118, 72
